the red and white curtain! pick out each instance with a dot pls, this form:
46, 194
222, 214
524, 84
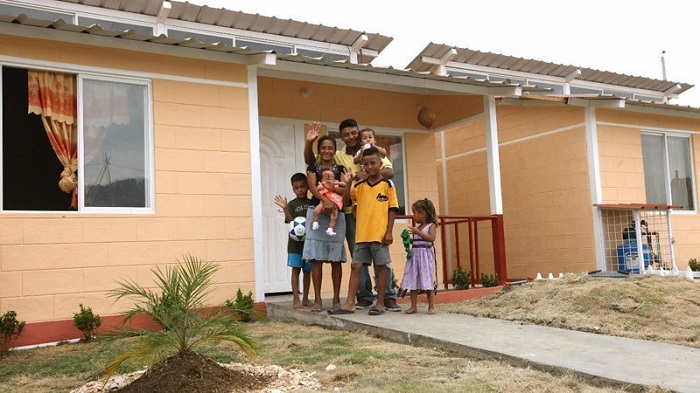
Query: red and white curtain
52, 96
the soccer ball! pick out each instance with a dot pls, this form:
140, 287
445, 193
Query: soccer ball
297, 229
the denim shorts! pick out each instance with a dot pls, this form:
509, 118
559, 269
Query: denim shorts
294, 260
368, 252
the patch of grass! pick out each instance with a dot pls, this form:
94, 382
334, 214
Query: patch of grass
85, 361
334, 350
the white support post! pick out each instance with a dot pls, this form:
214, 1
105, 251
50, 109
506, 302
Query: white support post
493, 156
256, 184
594, 183
671, 253
445, 197
640, 243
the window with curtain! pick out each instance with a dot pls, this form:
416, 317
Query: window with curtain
668, 171
45, 168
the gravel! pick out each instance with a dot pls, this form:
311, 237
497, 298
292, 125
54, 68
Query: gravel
287, 380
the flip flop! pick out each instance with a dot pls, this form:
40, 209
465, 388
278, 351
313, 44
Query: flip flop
375, 311
339, 311
316, 308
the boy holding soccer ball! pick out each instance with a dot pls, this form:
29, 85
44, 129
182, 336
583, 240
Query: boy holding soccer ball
297, 207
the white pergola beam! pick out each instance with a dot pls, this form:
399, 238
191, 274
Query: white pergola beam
447, 57
262, 59
164, 11
573, 75
672, 90
369, 52
430, 60
613, 103
359, 43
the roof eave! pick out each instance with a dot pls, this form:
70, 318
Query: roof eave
383, 79
44, 33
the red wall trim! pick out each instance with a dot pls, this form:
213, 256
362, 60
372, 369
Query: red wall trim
47, 332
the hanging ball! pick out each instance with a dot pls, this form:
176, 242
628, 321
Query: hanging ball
426, 117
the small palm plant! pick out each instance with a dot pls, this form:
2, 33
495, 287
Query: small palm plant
177, 307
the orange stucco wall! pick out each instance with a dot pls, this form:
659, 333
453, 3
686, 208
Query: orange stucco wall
622, 172
51, 262
545, 187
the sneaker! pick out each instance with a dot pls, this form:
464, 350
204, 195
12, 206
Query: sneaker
390, 305
364, 303
314, 226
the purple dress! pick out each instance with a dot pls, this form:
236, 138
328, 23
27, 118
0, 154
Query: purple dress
420, 269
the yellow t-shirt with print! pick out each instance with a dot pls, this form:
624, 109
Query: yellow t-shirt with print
373, 203
342, 157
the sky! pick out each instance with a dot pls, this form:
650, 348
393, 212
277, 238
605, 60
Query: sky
620, 36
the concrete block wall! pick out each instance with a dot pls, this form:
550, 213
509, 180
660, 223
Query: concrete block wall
51, 262
545, 186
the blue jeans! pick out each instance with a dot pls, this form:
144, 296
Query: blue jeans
366, 291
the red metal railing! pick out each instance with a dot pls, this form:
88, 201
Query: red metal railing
498, 243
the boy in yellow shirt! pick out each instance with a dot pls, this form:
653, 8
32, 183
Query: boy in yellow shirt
375, 208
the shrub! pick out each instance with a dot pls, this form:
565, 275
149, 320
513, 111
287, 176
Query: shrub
694, 265
242, 307
10, 328
87, 322
177, 306
460, 278
489, 280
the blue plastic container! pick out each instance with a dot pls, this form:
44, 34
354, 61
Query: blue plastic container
628, 258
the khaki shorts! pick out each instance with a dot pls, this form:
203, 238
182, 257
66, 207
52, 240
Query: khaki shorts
366, 253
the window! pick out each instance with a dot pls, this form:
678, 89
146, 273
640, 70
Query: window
115, 144
394, 148
108, 132
668, 172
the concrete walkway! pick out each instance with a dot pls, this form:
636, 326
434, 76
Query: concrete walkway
613, 359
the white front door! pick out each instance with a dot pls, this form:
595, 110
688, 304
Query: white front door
281, 156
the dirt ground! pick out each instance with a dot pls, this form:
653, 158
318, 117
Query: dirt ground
644, 307
652, 308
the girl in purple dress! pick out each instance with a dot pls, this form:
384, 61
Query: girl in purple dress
420, 269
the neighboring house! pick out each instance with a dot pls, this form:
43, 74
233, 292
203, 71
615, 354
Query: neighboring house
589, 148
173, 126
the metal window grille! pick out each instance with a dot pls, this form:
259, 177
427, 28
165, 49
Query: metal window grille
630, 228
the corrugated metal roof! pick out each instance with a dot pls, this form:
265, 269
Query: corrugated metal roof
130, 35
510, 63
220, 47
222, 17
97, 30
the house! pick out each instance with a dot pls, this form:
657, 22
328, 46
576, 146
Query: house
172, 129
175, 125
577, 163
